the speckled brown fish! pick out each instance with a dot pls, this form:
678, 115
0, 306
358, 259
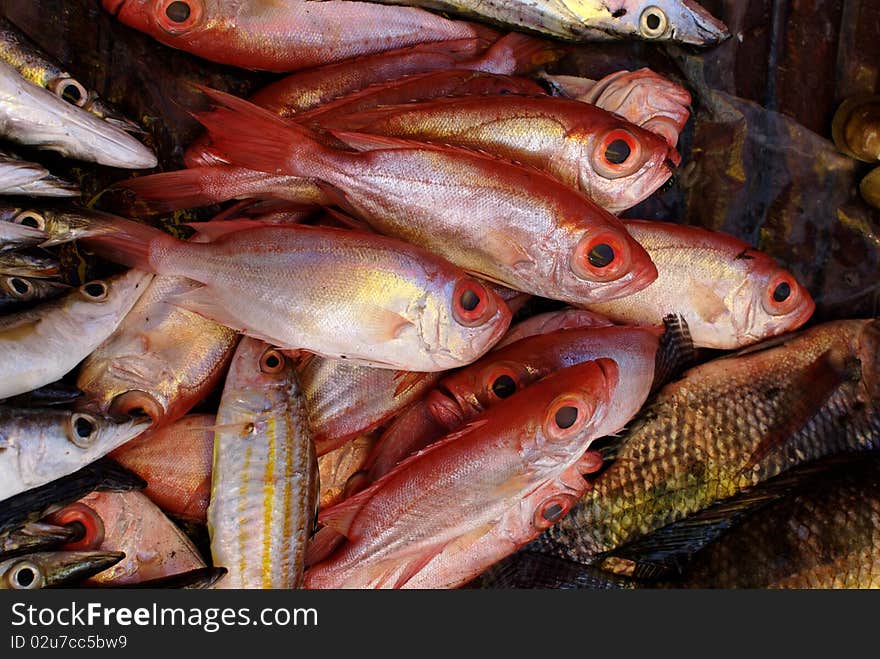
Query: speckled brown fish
727, 425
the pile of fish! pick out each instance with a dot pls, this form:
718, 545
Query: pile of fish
416, 347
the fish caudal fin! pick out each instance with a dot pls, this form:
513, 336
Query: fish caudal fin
187, 188
130, 244
518, 54
252, 137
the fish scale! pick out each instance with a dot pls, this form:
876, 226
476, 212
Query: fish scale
264, 476
705, 437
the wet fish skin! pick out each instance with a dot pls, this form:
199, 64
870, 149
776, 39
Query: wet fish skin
41, 345
264, 479
20, 177
682, 21
612, 161
57, 224
338, 467
727, 425
14, 236
34, 536
41, 445
468, 392
289, 36
826, 536
416, 323
36, 117
726, 290
153, 545
541, 247
550, 322
449, 512
18, 51
175, 460
54, 569
161, 359
345, 400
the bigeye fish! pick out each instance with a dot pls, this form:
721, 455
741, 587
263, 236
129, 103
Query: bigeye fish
286, 36
730, 294
41, 345
35, 116
612, 161
264, 479
354, 295
682, 21
17, 50
446, 514
41, 445
505, 222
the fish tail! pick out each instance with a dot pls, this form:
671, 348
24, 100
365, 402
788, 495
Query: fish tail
518, 54
170, 191
130, 244
252, 137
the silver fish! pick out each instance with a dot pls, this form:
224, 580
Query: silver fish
37, 117
20, 177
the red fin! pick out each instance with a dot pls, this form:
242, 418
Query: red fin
345, 220
322, 545
171, 191
253, 137
517, 54
211, 231
406, 380
341, 516
365, 142
803, 398
128, 243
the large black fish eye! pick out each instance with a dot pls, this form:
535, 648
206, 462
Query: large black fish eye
782, 292
566, 417
178, 11
504, 386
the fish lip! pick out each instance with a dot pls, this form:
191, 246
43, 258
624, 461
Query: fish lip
444, 408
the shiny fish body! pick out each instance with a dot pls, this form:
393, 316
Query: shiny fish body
38, 446
682, 21
18, 51
41, 345
449, 512
727, 291
286, 36
729, 424
264, 483
614, 162
388, 303
19, 177
17, 292
36, 117
827, 536
509, 223
153, 545
345, 400
162, 359
175, 460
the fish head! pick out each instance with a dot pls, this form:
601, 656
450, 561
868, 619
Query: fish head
113, 297
770, 302
606, 263
165, 20
623, 164
464, 322
95, 435
683, 21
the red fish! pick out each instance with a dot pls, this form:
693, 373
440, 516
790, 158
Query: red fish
449, 512
461, 396
289, 35
505, 222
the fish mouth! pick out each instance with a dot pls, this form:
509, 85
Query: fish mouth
708, 30
445, 409
136, 403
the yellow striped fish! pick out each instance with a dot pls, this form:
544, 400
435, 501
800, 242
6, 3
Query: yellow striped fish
264, 484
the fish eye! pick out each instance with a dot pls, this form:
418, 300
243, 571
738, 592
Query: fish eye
19, 288
566, 417
653, 22
782, 295
178, 11
782, 291
599, 258
70, 90
31, 219
617, 154
272, 361
552, 510
95, 290
82, 430
471, 303
25, 575
85, 519
504, 386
